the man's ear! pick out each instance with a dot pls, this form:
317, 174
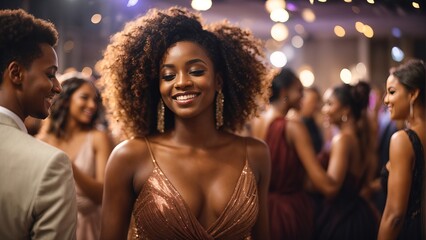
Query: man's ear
15, 72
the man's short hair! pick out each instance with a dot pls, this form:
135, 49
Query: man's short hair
20, 37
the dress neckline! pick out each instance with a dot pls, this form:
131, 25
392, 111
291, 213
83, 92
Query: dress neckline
245, 170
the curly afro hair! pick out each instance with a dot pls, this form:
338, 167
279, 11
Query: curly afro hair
130, 68
20, 37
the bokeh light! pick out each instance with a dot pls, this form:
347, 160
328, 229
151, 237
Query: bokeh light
201, 5
397, 54
297, 41
346, 75
278, 59
279, 15
279, 32
308, 15
307, 78
339, 31
96, 18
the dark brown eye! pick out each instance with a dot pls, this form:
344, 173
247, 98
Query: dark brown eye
168, 77
197, 72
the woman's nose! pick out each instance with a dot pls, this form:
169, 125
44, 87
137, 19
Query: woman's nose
386, 99
183, 81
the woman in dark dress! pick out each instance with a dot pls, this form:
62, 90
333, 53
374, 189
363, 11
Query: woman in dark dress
403, 176
344, 214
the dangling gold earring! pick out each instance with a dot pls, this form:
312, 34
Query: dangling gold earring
285, 99
160, 116
344, 118
411, 110
219, 109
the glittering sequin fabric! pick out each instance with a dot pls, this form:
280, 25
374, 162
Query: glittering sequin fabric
161, 213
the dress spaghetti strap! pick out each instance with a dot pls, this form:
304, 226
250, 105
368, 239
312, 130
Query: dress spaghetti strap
150, 150
245, 151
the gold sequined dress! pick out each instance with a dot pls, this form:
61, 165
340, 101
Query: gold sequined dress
160, 212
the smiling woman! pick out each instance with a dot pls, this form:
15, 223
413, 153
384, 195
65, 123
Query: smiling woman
73, 127
403, 178
178, 89
188, 82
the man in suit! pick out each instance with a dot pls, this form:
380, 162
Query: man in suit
37, 195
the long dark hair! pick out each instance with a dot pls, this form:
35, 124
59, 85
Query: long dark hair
59, 111
284, 79
357, 98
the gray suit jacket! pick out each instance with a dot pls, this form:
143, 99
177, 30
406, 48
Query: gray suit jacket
37, 193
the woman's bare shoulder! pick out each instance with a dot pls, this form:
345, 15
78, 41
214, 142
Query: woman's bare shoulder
131, 159
130, 153
400, 136
258, 157
100, 134
102, 138
257, 152
255, 148
132, 147
400, 144
255, 144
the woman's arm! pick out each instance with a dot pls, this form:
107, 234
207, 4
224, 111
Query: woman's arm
118, 194
400, 168
258, 154
338, 164
327, 182
93, 187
